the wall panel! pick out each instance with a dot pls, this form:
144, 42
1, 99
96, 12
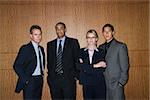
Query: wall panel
130, 19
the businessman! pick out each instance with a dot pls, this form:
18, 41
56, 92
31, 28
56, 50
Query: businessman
116, 72
62, 55
29, 66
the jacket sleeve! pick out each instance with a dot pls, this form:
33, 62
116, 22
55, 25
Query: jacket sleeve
124, 64
76, 56
87, 68
20, 63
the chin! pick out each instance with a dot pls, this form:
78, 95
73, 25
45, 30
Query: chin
37, 41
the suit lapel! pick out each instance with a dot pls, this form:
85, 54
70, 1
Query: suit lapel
95, 55
32, 52
87, 59
66, 45
110, 49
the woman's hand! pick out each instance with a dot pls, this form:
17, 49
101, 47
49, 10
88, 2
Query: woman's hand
80, 60
100, 64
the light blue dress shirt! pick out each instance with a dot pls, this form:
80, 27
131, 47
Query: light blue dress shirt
62, 42
37, 70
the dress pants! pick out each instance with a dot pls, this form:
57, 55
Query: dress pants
62, 89
94, 92
33, 89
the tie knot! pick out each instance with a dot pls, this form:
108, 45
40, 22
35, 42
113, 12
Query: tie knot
60, 41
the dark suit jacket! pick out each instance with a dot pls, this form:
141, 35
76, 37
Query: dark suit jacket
25, 64
88, 74
70, 55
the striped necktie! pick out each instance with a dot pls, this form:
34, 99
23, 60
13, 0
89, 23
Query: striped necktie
59, 68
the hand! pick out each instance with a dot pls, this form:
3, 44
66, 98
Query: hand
120, 84
27, 82
100, 64
80, 60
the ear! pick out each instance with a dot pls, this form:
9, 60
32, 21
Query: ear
65, 29
113, 33
96, 39
31, 36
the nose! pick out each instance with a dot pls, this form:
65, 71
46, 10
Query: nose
106, 32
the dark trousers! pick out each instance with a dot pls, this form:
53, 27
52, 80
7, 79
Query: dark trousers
33, 90
62, 89
94, 92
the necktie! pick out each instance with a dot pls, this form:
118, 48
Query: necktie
106, 46
59, 68
40, 61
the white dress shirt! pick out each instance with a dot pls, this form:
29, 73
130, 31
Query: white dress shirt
37, 70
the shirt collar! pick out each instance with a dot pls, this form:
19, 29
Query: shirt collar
34, 44
94, 49
63, 39
109, 41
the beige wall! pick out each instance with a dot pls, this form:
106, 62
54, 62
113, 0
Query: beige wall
130, 19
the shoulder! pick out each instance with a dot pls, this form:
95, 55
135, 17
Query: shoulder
52, 42
82, 49
122, 44
71, 39
25, 48
42, 48
82, 52
101, 46
100, 50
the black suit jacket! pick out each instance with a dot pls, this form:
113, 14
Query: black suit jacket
25, 64
70, 55
88, 74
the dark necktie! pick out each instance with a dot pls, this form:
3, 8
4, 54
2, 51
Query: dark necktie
106, 46
59, 68
40, 61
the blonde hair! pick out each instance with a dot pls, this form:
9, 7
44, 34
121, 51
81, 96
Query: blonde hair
93, 32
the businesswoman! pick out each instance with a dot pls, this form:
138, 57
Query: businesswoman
91, 65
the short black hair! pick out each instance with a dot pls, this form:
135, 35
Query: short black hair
35, 27
61, 24
108, 25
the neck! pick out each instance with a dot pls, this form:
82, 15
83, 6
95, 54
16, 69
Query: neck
91, 47
61, 37
108, 40
35, 42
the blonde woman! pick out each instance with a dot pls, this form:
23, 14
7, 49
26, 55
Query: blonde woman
92, 66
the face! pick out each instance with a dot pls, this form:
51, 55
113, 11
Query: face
60, 31
91, 39
36, 36
108, 34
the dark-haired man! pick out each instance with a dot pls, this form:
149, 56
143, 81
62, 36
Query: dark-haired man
29, 66
116, 72
62, 55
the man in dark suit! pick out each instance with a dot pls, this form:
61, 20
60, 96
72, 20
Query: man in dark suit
116, 72
29, 66
62, 55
